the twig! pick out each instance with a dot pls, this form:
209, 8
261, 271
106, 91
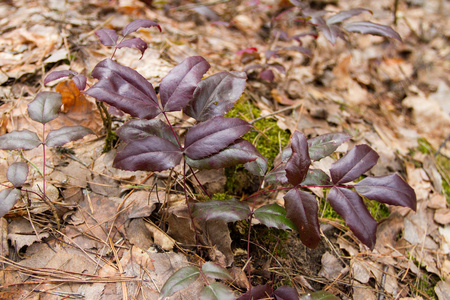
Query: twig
277, 112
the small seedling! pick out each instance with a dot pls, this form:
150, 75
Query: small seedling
43, 109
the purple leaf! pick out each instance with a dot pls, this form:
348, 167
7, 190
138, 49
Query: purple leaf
139, 129
299, 162
300, 49
59, 137
125, 89
273, 215
320, 295
177, 88
280, 68
258, 166
107, 37
216, 94
80, 81
207, 12
17, 173
45, 107
215, 271
15, 140
258, 292
140, 23
323, 145
267, 75
344, 15
350, 206
390, 189
210, 137
136, 43
179, 280
240, 152
277, 175
302, 210
58, 74
372, 28
356, 162
227, 211
331, 32
216, 291
286, 293
8, 198
315, 177
149, 154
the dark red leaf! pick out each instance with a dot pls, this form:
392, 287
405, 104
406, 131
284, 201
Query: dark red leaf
350, 206
247, 50
356, 162
258, 292
58, 74
286, 293
299, 162
80, 81
107, 37
139, 129
267, 75
390, 189
331, 32
216, 94
277, 175
301, 208
149, 154
210, 137
140, 23
323, 145
372, 28
125, 89
240, 152
177, 88
136, 43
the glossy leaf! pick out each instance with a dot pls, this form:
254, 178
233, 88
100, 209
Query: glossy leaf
390, 189
258, 292
210, 137
372, 28
273, 215
59, 137
55, 75
344, 15
136, 43
240, 152
331, 32
140, 23
149, 154
125, 89
286, 293
80, 81
350, 206
138, 129
216, 94
15, 140
298, 164
45, 107
324, 145
8, 198
316, 177
17, 173
177, 88
320, 295
179, 280
356, 162
215, 271
216, 291
302, 210
227, 211
107, 37
258, 166
277, 175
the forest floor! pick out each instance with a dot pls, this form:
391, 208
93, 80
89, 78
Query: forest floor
117, 236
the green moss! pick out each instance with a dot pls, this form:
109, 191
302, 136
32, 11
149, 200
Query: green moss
378, 210
267, 137
424, 146
221, 196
